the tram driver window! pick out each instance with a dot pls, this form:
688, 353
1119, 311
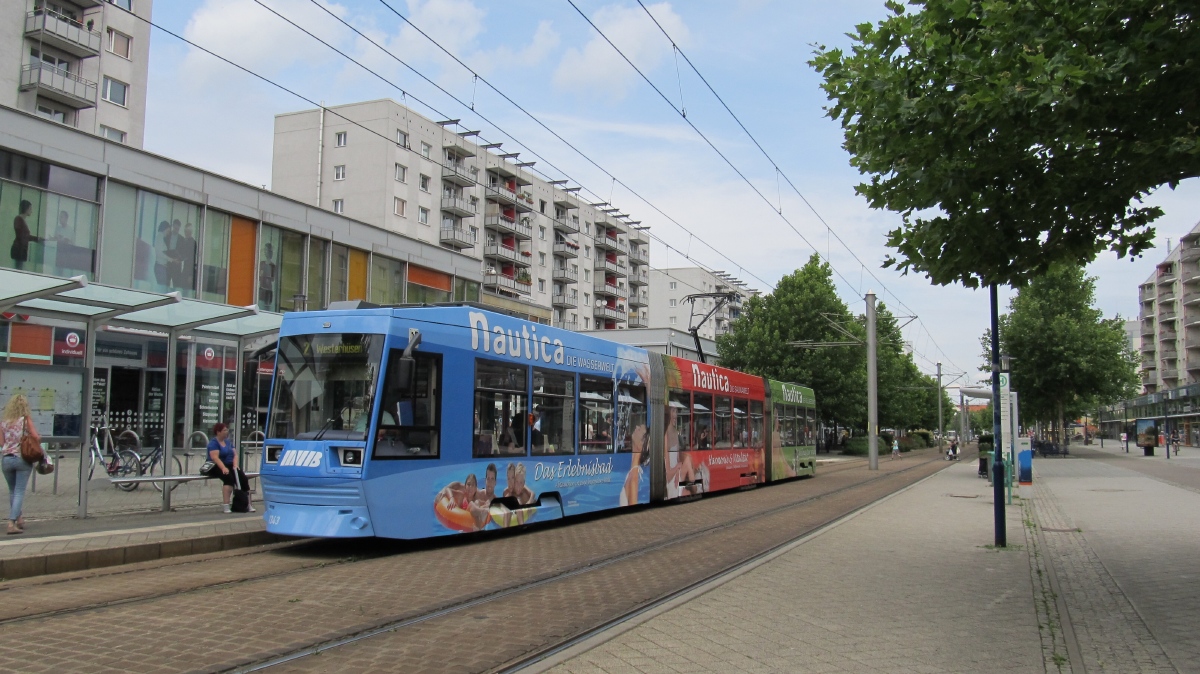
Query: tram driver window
631, 414
553, 429
595, 415
501, 424
702, 405
408, 421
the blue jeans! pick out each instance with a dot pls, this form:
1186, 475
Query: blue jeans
16, 474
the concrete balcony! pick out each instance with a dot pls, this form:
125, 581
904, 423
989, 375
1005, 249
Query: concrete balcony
1149, 364
1148, 329
1168, 277
639, 236
565, 225
459, 206
1170, 374
502, 223
1193, 364
566, 250
63, 87
602, 288
641, 299
1166, 295
562, 302
612, 313
1167, 314
637, 321
50, 27
456, 238
638, 255
1191, 342
1189, 254
564, 275
567, 325
1191, 297
501, 194
506, 254
610, 267
605, 242
502, 282
459, 174
639, 278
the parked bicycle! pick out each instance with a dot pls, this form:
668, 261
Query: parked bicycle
117, 457
153, 464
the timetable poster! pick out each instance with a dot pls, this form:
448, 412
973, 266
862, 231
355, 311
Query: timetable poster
55, 397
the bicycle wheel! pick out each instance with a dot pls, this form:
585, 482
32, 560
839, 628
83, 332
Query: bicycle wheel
156, 470
128, 465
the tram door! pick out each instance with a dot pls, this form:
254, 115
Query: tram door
124, 398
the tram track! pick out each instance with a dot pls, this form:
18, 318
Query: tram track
265, 586
401, 623
296, 547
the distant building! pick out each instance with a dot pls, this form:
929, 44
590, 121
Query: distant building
1133, 333
669, 307
664, 340
1169, 325
81, 63
544, 252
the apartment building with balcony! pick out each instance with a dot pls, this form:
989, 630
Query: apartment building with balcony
669, 307
544, 253
82, 63
1169, 319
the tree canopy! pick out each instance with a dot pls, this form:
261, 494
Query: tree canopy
1011, 134
1068, 358
804, 307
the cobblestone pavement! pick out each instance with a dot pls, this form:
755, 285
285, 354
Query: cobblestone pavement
906, 586
240, 616
1127, 551
1106, 581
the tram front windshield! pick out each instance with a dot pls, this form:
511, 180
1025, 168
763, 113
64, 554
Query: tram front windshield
324, 385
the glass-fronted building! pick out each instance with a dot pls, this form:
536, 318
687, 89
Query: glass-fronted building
73, 204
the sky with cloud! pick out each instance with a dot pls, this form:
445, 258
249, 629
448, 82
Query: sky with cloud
545, 57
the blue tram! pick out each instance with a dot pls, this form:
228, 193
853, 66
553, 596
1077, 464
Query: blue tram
426, 421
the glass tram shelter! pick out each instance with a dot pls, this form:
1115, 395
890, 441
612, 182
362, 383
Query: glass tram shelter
66, 338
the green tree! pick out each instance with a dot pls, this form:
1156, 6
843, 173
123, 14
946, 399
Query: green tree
1012, 134
1067, 358
798, 310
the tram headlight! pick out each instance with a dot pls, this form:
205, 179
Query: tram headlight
273, 452
351, 456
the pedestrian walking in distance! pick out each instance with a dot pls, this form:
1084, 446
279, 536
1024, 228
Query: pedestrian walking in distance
895, 449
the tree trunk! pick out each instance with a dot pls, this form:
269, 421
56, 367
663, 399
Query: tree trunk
1061, 426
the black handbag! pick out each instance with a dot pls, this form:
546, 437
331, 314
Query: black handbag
207, 468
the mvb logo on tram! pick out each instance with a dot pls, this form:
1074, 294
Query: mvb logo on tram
302, 458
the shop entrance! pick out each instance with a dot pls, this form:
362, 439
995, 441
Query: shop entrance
124, 397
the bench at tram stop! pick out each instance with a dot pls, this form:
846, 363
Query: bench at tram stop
173, 479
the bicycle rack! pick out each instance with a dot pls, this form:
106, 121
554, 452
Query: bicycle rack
187, 455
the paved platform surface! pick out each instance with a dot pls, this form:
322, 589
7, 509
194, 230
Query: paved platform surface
1102, 574
60, 545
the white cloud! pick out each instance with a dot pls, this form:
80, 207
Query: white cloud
600, 70
253, 37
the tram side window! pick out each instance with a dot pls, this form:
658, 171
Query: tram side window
777, 428
722, 422
789, 425
553, 430
500, 409
631, 415
810, 427
679, 421
741, 431
756, 423
702, 405
595, 415
408, 422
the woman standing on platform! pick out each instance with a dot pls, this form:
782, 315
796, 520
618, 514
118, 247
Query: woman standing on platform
16, 423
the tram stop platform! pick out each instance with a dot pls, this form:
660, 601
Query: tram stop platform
67, 544
1100, 575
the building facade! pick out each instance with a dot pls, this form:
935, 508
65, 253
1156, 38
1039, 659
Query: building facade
1169, 313
124, 217
670, 309
81, 63
543, 252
